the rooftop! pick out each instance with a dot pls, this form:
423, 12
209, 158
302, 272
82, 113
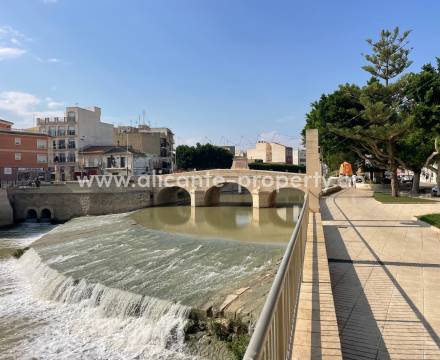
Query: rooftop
108, 149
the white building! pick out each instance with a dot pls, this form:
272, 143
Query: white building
80, 127
114, 160
270, 152
299, 157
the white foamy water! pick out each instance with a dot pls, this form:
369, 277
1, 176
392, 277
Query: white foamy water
46, 315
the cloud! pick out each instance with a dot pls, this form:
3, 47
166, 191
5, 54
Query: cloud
24, 106
285, 139
11, 43
52, 104
10, 52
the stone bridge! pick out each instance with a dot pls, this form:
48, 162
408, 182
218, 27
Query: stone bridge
204, 187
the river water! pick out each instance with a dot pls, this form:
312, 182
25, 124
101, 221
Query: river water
122, 286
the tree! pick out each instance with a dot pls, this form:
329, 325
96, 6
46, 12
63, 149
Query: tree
342, 108
381, 126
383, 123
390, 57
202, 157
423, 95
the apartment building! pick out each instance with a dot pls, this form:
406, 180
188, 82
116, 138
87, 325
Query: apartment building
24, 155
158, 143
261, 152
270, 152
80, 127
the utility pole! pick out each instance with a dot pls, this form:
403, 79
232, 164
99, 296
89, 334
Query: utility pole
126, 133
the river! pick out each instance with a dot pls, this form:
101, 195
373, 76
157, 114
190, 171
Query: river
122, 286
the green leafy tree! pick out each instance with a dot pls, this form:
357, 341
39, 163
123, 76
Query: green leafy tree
340, 109
383, 121
418, 146
202, 157
381, 127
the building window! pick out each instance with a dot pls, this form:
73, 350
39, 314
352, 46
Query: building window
71, 144
17, 141
61, 131
62, 158
54, 144
41, 158
61, 144
17, 156
71, 130
111, 161
52, 131
41, 144
122, 162
71, 157
71, 115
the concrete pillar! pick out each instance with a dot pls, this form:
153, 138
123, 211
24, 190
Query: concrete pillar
262, 199
6, 215
197, 197
313, 164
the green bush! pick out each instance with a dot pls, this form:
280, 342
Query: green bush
278, 167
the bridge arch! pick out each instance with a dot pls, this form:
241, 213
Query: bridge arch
286, 196
173, 195
228, 193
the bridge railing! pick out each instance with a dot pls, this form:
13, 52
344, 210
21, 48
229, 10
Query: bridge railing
272, 338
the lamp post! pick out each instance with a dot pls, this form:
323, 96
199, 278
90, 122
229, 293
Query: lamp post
126, 165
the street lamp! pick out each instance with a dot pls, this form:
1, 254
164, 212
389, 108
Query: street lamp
126, 165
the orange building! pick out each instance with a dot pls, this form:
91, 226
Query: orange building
23, 154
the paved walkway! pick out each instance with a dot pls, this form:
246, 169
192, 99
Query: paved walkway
385, 275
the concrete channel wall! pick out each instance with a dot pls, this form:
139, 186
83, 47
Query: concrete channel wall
6, 214
64, 202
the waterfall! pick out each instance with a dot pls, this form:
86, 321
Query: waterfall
142, 326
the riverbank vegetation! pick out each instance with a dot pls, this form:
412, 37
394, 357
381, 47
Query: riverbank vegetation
392, 122
433, 219
203, 157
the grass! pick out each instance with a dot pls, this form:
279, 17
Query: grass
385, 198
433, 219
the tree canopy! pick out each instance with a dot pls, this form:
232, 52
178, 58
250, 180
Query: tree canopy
388, 125
203, 157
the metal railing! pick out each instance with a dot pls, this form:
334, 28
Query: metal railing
272, 338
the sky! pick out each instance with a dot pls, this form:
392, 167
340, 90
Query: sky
219, 71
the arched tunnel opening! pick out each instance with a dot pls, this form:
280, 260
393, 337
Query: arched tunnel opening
46, 215
31, 215
173, 196
228, 194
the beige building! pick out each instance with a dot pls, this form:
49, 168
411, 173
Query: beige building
156, 142
261, 152
270, 152
80, 127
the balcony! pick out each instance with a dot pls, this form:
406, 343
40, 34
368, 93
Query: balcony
55, 120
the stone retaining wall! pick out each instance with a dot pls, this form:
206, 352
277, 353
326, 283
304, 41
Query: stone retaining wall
64, 206
6, 217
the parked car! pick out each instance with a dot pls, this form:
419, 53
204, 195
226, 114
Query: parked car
434, 191
406, 179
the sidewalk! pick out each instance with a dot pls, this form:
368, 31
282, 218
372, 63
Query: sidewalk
385, 275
